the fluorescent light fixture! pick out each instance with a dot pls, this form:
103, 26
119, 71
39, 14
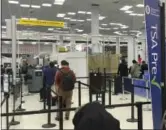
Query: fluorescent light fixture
25, 5
118, 33
6, 42
126, 7
128, 11
3, 27
81, 12
104, 24
59, 2
124, 27
46, 43
24, 18
13, 2
20, 43
80, 30
66, 18
88, 19
140, 14
133, 14
134, 31
46, 5
79, 20
73, 20
50, 29
143, 21
88, 12
33, 43
35, 6
140, 5
71, 13
61, 15
101, 17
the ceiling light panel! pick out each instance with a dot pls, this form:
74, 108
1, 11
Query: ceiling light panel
35, 6
133, 14
101, 17
61, 15
80, 20
140, 5
50, 29
88, 12
88, 19
104, 24
13, 2
3, 27
59, 2
73, 20
25, 5
33, 43
66, 18
71, 13
126, 7
81, 12
46, 5
128, 11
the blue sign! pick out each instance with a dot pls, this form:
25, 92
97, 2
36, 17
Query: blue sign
152, 15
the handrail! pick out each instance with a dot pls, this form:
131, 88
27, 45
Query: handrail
142, 87
68, 109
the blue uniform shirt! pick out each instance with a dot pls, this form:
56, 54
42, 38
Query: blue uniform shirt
49, 75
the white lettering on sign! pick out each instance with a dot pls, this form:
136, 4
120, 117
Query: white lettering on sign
154, 56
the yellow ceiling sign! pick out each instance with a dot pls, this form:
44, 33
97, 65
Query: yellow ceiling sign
41, 23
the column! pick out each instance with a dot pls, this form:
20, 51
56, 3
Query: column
96, 45
118, 45
72, 40
130, 50
8, 28
14, 48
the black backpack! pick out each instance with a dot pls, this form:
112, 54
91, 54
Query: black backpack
67, 82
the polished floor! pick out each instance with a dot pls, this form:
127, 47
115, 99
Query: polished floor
36, 121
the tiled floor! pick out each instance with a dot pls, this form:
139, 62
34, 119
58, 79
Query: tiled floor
36, 121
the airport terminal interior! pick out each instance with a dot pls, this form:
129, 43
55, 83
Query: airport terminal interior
63, 55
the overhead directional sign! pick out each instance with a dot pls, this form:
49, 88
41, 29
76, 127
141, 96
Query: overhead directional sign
41, 23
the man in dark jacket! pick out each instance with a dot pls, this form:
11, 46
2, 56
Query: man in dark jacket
123, 69
93, 116
144, 67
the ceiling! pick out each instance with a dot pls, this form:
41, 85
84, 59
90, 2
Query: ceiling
108, 8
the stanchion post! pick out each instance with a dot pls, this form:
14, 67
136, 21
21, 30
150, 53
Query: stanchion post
60, 113
44, 96
123, 90
139, 115
13, 122
105, 79
7, 111
79, 93
132, 119
147, 97
49, 124
103, 97
110, 97
20, 106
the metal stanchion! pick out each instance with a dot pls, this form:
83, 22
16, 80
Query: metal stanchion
44, 100
13, 122
139, 115
109, 94
49, 124
20, 106
79, 93
132, 119
148, 108
123, 91
7, 111
103, 97
60, 113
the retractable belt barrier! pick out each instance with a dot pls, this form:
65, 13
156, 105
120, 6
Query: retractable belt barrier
61, 109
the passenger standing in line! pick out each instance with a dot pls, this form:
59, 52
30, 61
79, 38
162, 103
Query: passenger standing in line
135, 70
49, 75
65, 80
122, 69
144, 67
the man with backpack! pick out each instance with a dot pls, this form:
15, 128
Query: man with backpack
65, 80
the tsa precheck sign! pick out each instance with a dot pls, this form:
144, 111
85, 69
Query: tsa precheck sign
152, 15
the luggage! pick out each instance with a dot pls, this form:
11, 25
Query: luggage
117, 85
